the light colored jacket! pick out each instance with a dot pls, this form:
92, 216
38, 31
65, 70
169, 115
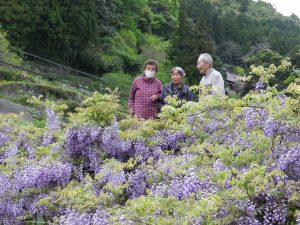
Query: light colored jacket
212, 83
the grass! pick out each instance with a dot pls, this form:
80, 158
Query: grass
19, 86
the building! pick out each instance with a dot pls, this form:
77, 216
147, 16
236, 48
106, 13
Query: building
233, 86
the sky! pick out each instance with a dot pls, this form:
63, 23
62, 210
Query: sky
286, 7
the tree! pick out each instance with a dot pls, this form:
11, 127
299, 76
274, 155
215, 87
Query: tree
164, 16
192, 36
295, 56
264, 57
244, 5
230, 52
5, 54
51, 28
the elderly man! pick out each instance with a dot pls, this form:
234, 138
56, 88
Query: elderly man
212, 82
144, 93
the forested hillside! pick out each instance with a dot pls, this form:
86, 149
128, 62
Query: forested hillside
95, 35
116, 36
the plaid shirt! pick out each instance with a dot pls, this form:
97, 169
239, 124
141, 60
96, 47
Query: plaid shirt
139, 101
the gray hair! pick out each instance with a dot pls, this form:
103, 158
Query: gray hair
205, 57
179, 69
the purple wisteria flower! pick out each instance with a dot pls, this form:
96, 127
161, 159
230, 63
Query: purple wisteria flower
52, 120
136, 184
111, 176
100, 217
5, 183
72, 217
219, 166
259, 86
11, 151
254, 117
84, 142
246, 220
270, 127
182, 187
142, 151
114, 146
271, 211
10, 212
170, 140
290, 163
247, 206
39, 176
4, 137
298, 220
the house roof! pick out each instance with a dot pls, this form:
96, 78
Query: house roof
231, 77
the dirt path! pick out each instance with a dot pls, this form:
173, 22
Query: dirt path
7, 106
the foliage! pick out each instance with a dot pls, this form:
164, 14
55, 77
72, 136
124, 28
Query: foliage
97, 109
18, 91
230, 52
216, 161
95, 35
185, 51
123, 52
164, 17
154, 47
51, 28
263, 57
5, 54
239, 71
235, 32
295, 56
118, 36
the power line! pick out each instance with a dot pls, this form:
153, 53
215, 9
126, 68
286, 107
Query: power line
67, 67
30, 71
70, 68
48, 76
21, 68
69, 75
43, 75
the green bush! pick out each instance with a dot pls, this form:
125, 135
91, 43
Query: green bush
98, 108
5, 54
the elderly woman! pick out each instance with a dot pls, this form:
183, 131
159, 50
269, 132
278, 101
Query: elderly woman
145, 91
176, 87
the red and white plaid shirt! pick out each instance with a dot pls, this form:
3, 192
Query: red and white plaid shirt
139, 101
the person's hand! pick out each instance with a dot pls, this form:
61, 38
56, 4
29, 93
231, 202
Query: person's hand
154, 98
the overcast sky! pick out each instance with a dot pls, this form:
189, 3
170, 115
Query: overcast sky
286, 7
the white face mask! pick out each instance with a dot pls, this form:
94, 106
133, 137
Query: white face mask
149, 74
